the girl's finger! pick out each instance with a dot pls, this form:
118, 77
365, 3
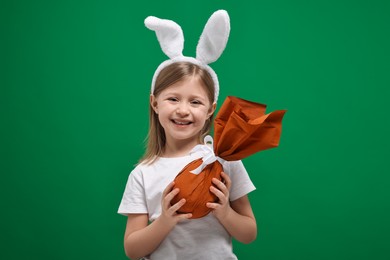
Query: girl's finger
221, 196
184, 216
177, 206
212, 205
171, 195
221, 186
168, 198
168, 189
228, 181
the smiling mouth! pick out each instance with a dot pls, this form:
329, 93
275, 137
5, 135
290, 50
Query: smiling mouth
181, 122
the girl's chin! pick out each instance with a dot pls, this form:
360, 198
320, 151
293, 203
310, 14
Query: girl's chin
181, 137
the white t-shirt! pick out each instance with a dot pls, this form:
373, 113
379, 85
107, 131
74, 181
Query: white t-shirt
203, 238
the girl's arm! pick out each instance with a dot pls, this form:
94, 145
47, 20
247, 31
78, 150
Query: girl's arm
142, 239
236, 216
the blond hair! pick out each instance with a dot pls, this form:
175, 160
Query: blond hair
171, 74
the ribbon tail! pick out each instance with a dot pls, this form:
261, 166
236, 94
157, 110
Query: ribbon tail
198, 170
209, 156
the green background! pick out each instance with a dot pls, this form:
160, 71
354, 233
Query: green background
75, 79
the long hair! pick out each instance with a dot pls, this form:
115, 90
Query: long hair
173, 73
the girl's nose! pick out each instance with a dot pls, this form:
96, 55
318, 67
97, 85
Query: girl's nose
182, 109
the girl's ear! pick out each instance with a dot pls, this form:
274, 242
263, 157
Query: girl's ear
212, 109
153, 103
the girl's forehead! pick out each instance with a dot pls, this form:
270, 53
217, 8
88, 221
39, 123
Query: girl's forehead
191, 85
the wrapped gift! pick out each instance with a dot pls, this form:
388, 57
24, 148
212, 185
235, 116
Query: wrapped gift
241, 128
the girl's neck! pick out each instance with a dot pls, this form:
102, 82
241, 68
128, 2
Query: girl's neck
178, 149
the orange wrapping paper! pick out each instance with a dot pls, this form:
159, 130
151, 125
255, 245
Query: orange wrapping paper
241, 128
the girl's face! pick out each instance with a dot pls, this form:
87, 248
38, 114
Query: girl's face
183, 109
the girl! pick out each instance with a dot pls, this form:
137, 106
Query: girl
182, 104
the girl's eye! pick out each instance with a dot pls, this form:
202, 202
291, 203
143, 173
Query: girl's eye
196, 102
173, 99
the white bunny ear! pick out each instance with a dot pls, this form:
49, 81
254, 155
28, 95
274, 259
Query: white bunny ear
213, 40
169, 35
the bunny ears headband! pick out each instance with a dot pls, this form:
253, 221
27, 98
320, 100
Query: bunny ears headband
211, 44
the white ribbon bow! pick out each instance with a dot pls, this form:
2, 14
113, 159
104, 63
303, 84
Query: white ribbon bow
208, 154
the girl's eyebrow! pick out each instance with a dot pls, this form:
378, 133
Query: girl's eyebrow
192, 96
197, 96
170, 93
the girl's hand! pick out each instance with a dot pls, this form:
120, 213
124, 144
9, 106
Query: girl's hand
168, 212
222, 207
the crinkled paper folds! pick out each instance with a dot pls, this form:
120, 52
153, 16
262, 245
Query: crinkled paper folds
241, 128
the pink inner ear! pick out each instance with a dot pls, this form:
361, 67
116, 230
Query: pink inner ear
214, 37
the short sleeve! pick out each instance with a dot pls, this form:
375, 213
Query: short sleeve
241, 182
133, 200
